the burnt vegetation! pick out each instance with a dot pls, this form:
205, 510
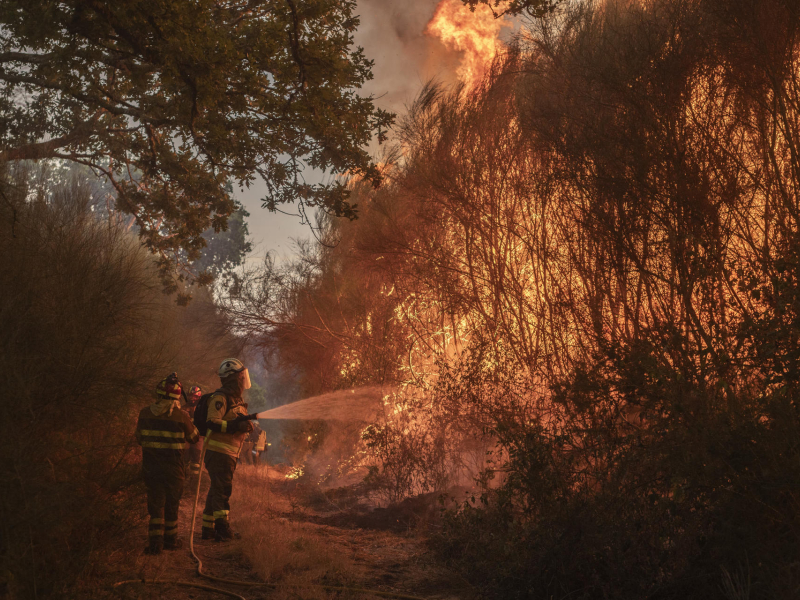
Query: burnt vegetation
583, 278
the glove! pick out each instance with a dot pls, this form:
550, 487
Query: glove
241, 424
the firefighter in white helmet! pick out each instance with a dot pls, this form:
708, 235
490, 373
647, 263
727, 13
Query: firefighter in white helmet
228, 426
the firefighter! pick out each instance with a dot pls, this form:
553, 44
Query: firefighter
194, 450
227, 430
163, 430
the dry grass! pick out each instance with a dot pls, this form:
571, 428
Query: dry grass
284, 551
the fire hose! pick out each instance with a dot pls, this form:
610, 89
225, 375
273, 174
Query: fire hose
249, 584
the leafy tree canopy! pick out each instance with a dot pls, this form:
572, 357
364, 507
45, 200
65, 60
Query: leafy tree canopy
225, 250
170, 100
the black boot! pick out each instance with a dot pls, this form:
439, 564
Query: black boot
208, 533
224, 531
172, 543
155, 546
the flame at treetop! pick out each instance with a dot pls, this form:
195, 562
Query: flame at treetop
473, 34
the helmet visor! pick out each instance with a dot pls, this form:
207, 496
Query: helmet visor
245, 379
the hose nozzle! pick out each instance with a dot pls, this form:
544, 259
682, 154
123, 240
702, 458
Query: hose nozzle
243, 418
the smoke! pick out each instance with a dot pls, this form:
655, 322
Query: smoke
392, 34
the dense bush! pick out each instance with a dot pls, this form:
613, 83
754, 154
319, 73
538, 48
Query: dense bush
654, 313
590, 262
596, 499
87, 333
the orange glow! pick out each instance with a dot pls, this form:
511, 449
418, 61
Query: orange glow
473, 34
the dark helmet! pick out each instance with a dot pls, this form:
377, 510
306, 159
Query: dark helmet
169, 387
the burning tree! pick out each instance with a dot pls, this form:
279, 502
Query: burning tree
593, 262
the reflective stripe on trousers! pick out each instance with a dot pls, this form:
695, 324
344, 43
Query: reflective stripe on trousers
170, 528
156, 527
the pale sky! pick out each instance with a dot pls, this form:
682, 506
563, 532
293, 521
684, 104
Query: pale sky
391, 34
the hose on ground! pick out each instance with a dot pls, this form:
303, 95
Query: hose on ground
329, 588
201, 586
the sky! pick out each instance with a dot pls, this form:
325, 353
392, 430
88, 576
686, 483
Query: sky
391, 33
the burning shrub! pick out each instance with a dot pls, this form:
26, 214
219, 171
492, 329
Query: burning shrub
430, 442
612, 499
591, 261
407, 451
660, 452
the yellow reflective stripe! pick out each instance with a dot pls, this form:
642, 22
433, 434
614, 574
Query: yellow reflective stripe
215, 444
155, 433
221, 514
208, 517
175, 446
156, 521
224, 426
158, 532
170, 523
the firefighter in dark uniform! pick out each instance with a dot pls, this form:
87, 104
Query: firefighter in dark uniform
163, 431
227, 429
194, 450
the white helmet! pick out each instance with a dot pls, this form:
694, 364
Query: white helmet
231, 366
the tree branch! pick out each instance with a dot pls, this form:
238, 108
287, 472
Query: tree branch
47, 149
25, 57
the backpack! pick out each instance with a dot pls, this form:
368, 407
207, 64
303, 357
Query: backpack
200, 417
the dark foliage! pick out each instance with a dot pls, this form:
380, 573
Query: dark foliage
170, 100
87, 333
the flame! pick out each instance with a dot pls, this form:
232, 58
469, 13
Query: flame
295, 473
473, 34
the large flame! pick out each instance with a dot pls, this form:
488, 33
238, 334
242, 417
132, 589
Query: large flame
474, 34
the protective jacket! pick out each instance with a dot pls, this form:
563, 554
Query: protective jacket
223, 436
163, 431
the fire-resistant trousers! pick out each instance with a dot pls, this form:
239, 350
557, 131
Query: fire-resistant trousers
220, 469
164, 491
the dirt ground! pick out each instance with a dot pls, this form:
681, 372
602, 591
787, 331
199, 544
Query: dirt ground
297, 539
